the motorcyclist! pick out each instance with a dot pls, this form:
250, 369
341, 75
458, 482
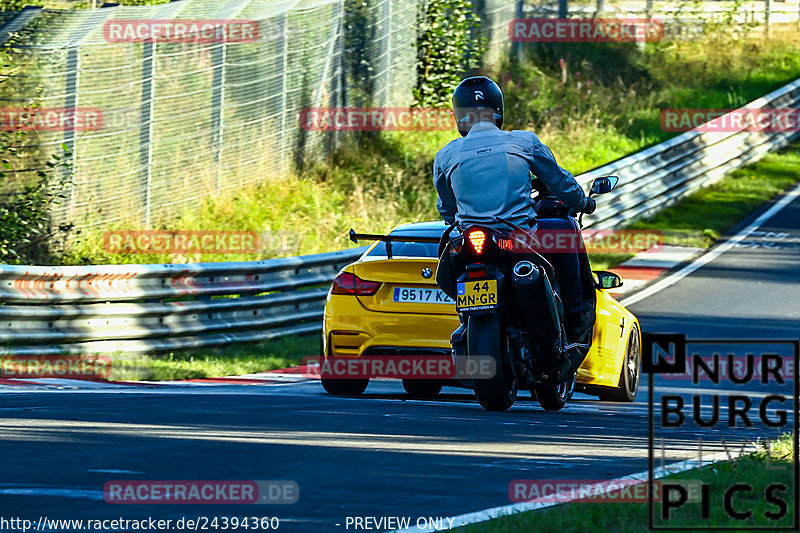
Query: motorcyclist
487, 174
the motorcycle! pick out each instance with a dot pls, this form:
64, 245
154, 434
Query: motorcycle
527, 342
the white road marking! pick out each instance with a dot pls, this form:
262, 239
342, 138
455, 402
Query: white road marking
565, 497
112, 471
45, 491
63, 382
668, 257
714, 252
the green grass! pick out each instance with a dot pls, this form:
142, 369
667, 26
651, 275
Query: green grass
634, 517
230, 361
607, 107
701, 217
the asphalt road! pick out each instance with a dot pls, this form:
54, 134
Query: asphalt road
379, 455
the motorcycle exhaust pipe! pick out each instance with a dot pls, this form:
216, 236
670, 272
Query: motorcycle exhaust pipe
538, 305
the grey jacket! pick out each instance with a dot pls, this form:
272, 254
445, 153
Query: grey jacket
487, 174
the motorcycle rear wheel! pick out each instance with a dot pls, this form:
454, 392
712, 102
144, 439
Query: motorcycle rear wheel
499, 392
553, 397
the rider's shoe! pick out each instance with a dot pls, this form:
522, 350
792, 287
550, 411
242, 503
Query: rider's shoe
558, 371
578, 322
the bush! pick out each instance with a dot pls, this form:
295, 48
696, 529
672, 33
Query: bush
24, 214
446, 49
24, 218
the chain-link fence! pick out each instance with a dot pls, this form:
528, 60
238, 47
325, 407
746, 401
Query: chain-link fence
177, 122
183, 121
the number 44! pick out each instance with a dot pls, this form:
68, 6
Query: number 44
478, 287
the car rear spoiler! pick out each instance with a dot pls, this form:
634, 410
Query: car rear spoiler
389, 239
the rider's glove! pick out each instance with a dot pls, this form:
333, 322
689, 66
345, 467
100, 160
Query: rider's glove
590, 206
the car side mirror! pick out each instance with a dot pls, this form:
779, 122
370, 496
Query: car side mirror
604, 184
607, 280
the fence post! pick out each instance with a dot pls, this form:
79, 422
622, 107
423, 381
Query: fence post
284, 107
601, 6
146, 127
516, 46
71, 102
767, 16
563, 9
219, 58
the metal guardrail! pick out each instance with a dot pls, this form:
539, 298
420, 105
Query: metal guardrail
658, 176
152, 308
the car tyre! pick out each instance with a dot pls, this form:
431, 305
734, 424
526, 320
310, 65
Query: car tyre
345, 387
629, 373
422, 388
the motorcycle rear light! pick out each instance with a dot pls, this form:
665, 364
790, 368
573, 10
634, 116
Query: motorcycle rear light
476, 273
477, 239
347, 283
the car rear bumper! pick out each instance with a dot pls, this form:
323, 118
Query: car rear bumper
351, 330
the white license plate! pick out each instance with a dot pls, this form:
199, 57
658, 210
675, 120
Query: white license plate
416, 295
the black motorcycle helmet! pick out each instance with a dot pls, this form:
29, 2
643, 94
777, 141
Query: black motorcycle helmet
477, 99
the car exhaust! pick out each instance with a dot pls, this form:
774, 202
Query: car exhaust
538, 304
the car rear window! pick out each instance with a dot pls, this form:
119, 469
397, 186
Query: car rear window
406, 249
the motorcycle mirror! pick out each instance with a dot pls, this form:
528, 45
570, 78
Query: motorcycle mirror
604, 184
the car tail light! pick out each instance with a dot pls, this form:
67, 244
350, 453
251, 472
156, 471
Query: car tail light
347, 283
477, 238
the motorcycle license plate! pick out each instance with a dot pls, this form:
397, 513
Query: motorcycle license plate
476, 295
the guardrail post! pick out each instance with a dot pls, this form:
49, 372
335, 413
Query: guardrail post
146, 128
563, 9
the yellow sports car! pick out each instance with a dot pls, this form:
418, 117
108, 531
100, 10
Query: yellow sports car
387, 303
